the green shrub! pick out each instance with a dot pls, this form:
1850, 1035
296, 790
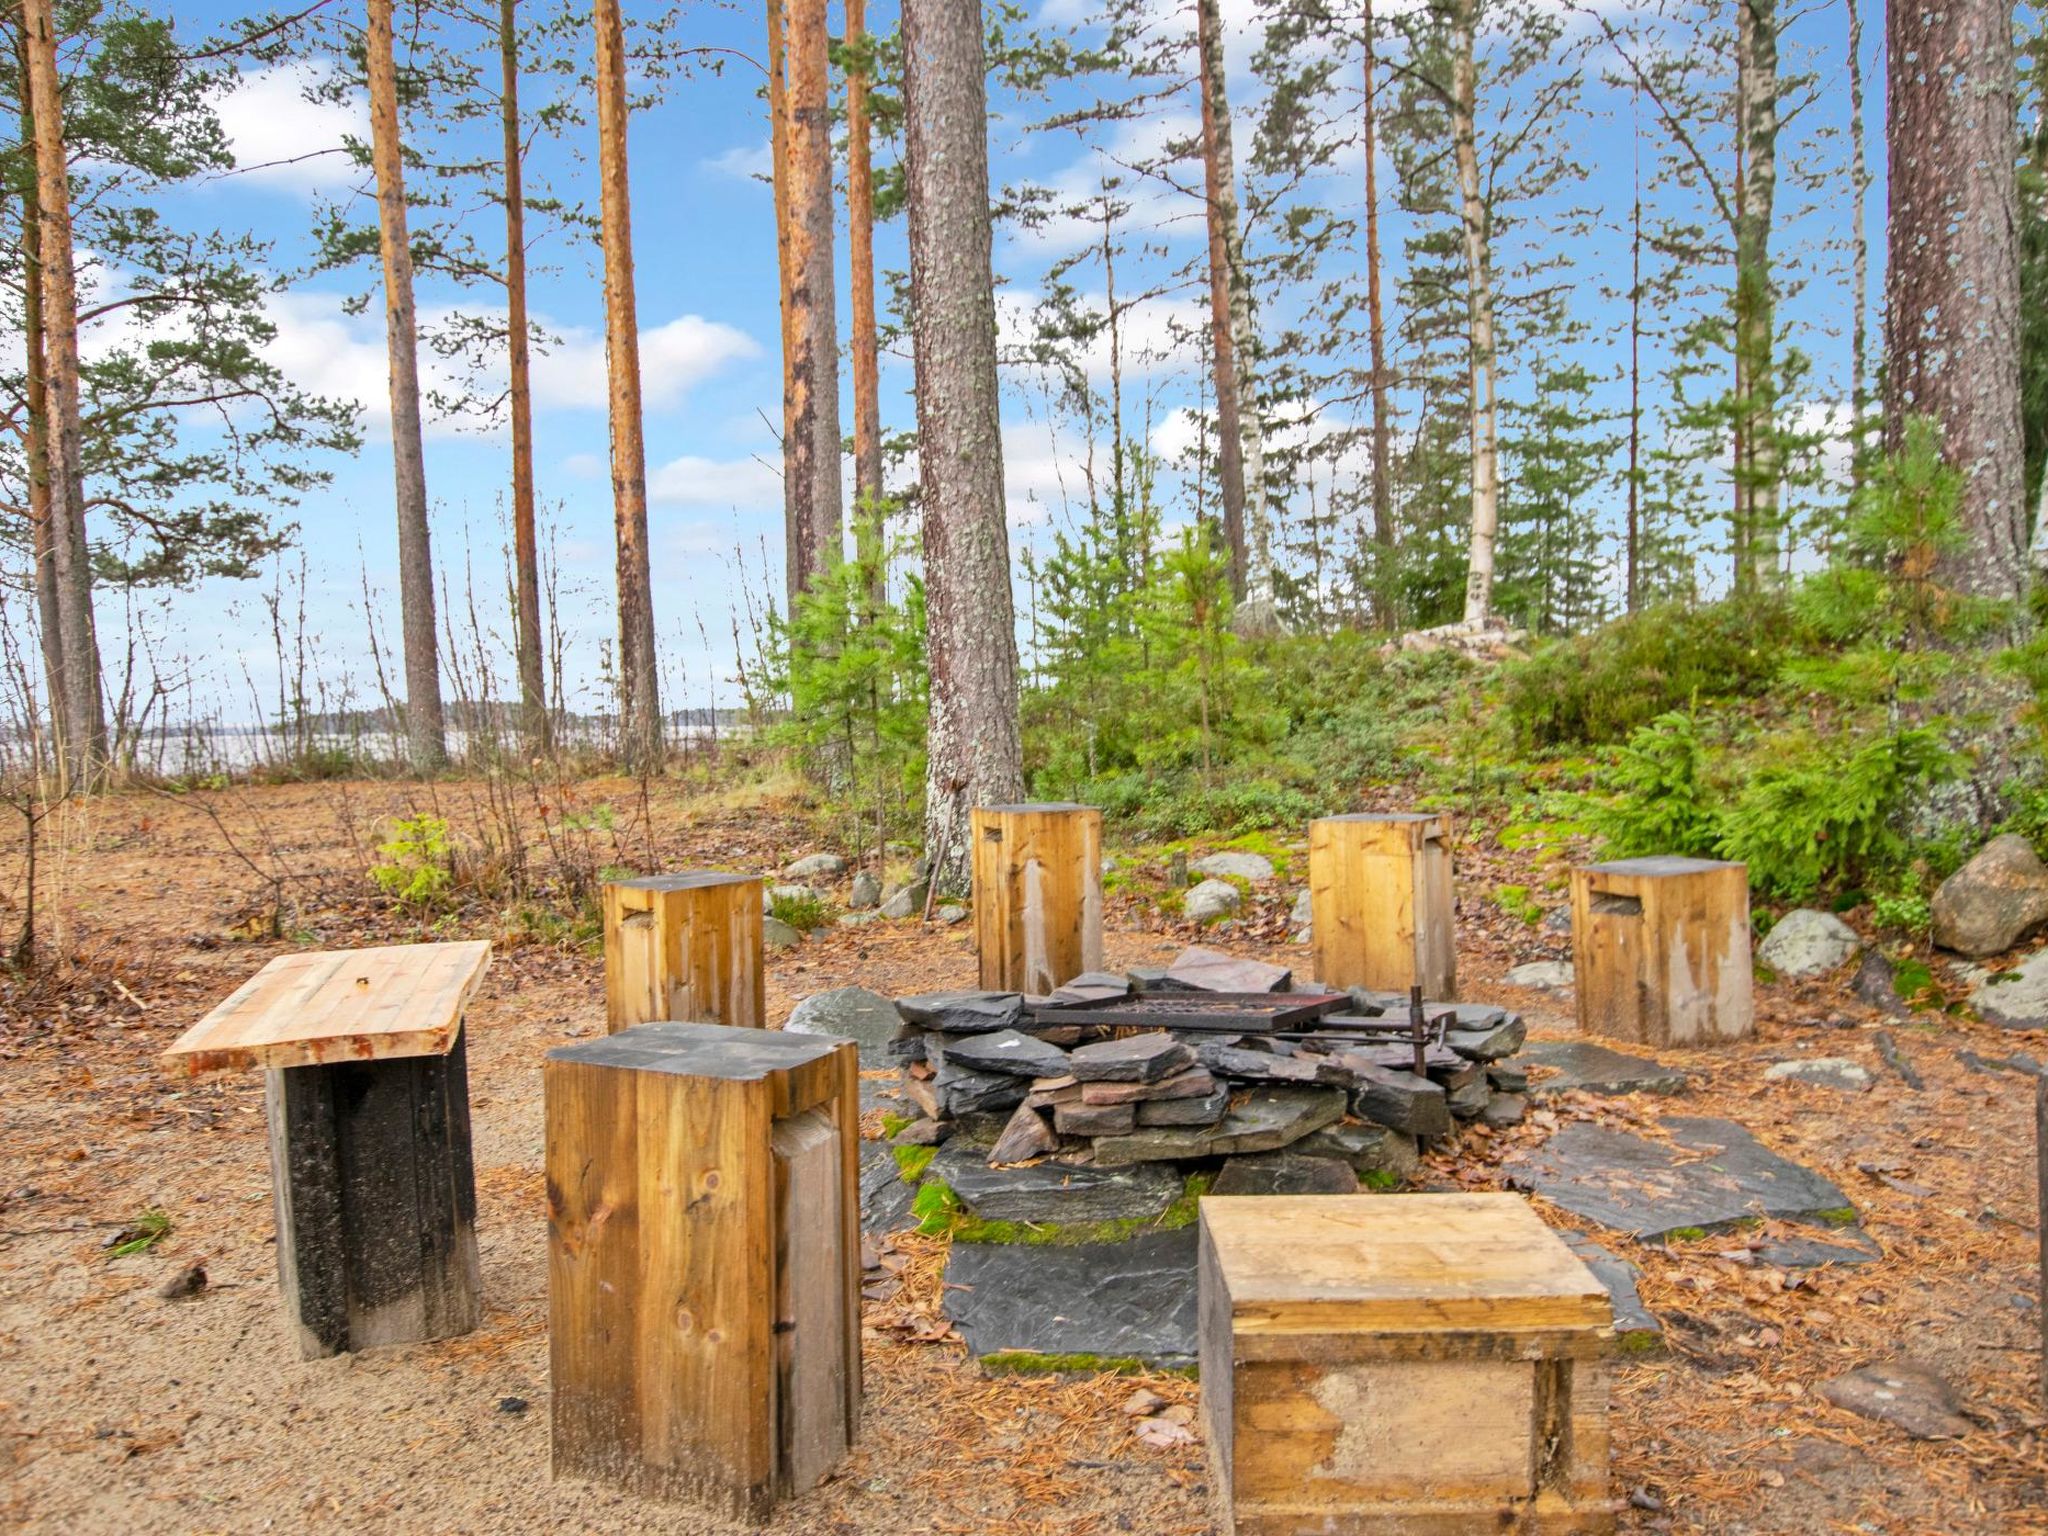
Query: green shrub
416, 870
803, 913
1662, 801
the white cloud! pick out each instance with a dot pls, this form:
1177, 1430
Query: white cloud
673, 358
280, 138
695, 481
748, 162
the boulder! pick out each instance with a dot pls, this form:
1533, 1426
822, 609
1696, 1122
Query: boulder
1285, 1173
951, 913
791, 893
1541, 975
850, 1013
905, 900
1808, 943
816, 866
1211, 900
1239, 866
777, 934
2015, 998
866, 892
1994, 901
1402, 1102
1909, 1397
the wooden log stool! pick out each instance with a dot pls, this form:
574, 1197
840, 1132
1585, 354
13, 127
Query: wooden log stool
1404, 1365
1037, 895
684, 947
703, 1261
1660, 950
367, 1082
1380, 900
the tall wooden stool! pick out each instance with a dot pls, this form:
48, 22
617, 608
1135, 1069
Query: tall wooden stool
684, 947
1037, 895
1400, 1365
1380, 900
703, 1260
1660, 950
368, 1091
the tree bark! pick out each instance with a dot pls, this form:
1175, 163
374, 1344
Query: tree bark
867, 383
1859, 278
793, 523
1382, 422
1952, 324
640, 737
1479, 306
973, 752
1632, 548
533, 699
85, 734
811, 459
36, 443
426, 738
1757, 467
1222, 347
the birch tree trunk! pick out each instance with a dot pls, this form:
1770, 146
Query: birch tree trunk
1952, 323
533, 701
1479, 304
1757, 467
36, 440
84, 736
973, 753
639, 689
1382, 423
426, 739
860, 241
811, 456
1222, 342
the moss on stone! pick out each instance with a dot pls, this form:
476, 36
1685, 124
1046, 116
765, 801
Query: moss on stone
1019, 1362
1045, 1234
1638, 1341
1685, 1234
1381, 1179
892, 1123
1840, 1216
911, 1162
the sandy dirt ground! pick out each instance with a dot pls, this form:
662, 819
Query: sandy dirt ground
123, 1411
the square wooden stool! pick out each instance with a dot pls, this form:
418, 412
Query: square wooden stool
1037, 872
368, 1091
685, 946
1414, 1365
1660, 950
704, 1260
1380, 903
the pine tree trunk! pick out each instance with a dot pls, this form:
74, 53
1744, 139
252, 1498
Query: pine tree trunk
1222, 346
811, 458
973, 753
1382, 415
867, 379
533, 700
85, 728
426, 739
1757, 467
1633, 539
1479, 302
1859, 278
639, 689
794, 526
1952, 281
36, 441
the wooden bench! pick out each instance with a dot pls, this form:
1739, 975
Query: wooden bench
703, 1260
1403, 1365
368, 1091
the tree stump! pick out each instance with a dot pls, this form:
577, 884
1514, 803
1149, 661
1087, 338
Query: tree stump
368, 1093
684, 947
1405, 1367
1660, 950
1037, 895
1380, 900
703, 1261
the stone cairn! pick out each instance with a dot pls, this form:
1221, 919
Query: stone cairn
980, 1064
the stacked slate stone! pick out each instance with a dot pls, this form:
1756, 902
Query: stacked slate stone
1028, 1086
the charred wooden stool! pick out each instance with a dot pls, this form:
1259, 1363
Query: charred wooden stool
684, 946
1381, 903
1404, 1365
1660, 950
1037, 895
368, 1089
703, 1260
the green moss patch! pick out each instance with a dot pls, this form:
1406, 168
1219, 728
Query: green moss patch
911, 1162
1025, 1362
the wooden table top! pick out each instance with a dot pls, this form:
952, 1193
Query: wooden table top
339, 1005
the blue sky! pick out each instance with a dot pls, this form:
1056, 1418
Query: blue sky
707, 296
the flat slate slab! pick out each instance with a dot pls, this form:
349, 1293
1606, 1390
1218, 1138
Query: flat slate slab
1716, 1175
1132, 1299
1057, 1193
1582, 1065
963, 1013
884, 1197
850, 1013
1263, 1120
1636, 1328
1007, 1050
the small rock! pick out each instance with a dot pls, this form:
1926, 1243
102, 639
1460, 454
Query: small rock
816, 866
1142, 1058
1263, 1120
1402, 1102
777, 934
1504, 1110
1195, 1083
1994, 901
1507, 1078
1468, 1100
1876, 986
1302, 918
792, 893
1909, 1397
961, 1092
1367, 1148
922, 1133
1206, 1110
951, 913
1541, 975
1240, 866
1285, 1173
1094, 1119
866, 892
512, 1405
1494, 1044
1557, 922
1092, 987
1808, 943
857, 919
189, 1281
849, 1013
963, 1013
905, 900
1026, 1136
1827, 1071
1210, 970
1210, 900
2014, 999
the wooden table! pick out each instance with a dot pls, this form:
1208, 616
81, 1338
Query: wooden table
368, 1091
